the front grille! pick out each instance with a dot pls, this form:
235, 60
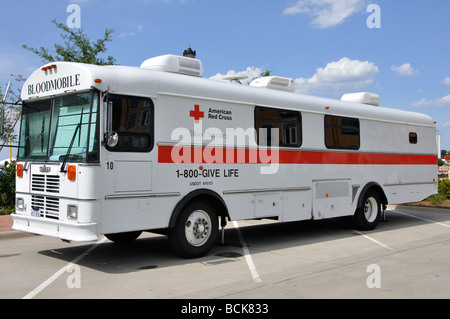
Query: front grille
45, 206
42, 205
45, 183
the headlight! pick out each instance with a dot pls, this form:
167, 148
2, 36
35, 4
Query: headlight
72, 211
20, 204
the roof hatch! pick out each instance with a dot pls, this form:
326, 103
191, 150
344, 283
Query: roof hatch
274, 83
174, 64
362, 97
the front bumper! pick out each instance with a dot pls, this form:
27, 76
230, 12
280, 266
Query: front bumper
65, 230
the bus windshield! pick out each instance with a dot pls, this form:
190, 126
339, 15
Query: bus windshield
60, 128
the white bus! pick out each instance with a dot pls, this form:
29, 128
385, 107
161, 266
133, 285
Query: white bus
115, 151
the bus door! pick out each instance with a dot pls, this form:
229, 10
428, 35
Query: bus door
127, 163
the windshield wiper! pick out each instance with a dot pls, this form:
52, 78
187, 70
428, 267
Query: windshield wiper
31, 152
62, 170
41, 135
63, 165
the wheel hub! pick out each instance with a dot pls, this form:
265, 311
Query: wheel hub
370, 209
197, 228
200, 228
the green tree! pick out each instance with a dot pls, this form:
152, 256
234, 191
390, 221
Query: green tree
76, 48
7, 187
266, 73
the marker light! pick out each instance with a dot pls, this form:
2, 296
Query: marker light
19, 170
98, 80
46, 68
71, 172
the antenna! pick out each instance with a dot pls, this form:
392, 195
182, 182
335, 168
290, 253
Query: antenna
189, 53
235, 78
6, 92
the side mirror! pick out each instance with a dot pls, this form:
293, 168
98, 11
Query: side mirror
111, 139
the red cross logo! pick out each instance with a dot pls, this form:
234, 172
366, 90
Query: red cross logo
196, 114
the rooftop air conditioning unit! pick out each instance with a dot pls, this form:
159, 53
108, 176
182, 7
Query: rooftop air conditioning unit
363, 98
174, 64
275, 83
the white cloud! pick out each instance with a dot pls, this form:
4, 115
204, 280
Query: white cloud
405, 70
327, 13
342, 76
446, 124
250, 72
443, 101
339, 77
447, 81
130, 34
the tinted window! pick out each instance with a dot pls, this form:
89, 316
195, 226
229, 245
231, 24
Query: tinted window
284, 123
132, 119
413, 138
342, 133
60, 128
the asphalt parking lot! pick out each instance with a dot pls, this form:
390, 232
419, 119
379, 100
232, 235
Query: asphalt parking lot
406, 257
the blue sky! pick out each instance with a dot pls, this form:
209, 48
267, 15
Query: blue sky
325, 45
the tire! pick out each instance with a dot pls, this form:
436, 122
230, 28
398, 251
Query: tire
368, 215
195, 231
123, 238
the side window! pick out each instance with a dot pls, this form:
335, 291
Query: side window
342, 133
413, 138
132, 119
288, 123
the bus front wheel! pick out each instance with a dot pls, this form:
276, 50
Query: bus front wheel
195, 230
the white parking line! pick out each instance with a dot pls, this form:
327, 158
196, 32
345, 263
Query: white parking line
374, 240
395, 211
427, 220
46, 283
369, 238
248, 257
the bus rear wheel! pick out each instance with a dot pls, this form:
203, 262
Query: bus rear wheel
368, 215
195, 230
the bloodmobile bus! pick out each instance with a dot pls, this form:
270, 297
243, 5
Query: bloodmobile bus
116, 150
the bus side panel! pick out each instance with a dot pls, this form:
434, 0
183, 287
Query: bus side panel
332, 198
287, 206
136, 214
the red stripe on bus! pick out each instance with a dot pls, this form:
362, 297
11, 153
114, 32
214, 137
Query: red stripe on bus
219, 155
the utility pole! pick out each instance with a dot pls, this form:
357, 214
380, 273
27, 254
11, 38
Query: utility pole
2, 118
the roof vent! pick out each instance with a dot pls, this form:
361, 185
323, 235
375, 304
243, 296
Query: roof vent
274, 83
363, 98
174, 64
